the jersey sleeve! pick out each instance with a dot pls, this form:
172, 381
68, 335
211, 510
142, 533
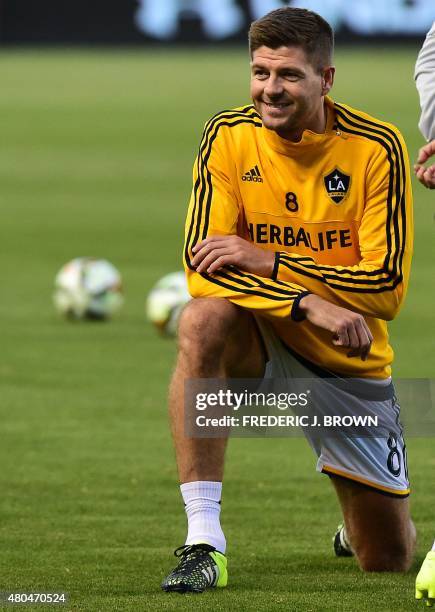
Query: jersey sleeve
214, 210
376, 286
425, 81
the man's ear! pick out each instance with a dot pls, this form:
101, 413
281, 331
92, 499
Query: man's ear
327, 79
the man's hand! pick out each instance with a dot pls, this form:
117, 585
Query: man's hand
348, 328
425, 581
217, 251
426, 175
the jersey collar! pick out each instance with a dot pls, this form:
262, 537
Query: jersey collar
309, 138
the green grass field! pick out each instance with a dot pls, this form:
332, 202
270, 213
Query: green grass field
95, 159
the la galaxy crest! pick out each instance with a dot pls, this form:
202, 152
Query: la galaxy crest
337, 185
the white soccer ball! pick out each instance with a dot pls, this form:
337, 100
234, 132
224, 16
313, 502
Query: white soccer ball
165, 302
88, 288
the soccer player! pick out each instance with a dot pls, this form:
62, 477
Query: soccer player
298, 251
425, 81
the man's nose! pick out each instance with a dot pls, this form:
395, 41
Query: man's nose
273, 87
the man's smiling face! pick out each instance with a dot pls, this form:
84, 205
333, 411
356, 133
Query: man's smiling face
288, 91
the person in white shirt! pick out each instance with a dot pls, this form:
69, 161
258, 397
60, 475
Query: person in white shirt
425, 81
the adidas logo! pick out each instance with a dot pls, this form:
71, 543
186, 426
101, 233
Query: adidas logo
253, 175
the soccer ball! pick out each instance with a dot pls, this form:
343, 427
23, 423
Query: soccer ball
88, 288
165, 302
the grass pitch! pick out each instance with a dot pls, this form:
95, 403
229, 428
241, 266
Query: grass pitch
95, 159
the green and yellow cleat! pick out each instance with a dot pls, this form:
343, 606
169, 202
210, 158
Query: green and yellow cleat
201, 567
425, 581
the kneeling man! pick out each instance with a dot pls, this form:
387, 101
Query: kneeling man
298, 250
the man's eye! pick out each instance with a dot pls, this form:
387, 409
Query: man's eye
260, 73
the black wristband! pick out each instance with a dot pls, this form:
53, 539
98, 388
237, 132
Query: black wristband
296, 314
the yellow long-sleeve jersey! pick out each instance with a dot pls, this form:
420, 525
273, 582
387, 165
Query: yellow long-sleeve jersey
335, 207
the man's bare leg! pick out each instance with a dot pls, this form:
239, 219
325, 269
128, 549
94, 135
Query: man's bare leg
216, 340
378, 527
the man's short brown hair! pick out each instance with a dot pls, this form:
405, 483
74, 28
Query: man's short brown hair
295, 27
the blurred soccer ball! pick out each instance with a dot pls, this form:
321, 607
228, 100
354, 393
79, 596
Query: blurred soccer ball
87, 288
165, 302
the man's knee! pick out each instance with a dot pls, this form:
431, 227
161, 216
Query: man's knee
205, 324
391, 556
398, 559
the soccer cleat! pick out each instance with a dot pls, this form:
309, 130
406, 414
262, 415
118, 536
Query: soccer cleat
201, 567
425, 581
342, 547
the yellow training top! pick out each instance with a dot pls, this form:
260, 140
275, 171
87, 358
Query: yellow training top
335, 207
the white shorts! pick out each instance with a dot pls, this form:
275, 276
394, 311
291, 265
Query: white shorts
379, 463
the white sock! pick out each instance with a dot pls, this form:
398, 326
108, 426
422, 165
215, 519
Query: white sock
433, 546
202, 505
344, 541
